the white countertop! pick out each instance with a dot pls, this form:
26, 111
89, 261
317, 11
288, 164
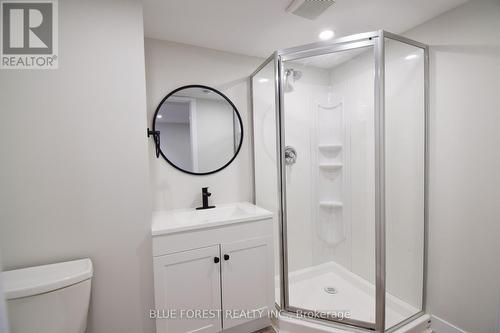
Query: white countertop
178, 220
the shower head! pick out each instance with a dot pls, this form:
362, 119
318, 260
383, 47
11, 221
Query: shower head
291, 75
296, 75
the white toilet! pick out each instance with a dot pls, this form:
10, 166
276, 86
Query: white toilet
49, 299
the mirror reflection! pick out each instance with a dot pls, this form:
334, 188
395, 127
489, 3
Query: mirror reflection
200, 129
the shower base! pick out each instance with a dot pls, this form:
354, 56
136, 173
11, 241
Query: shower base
310, 289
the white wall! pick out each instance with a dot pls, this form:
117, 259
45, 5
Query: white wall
74, 171
464, 269
171, 65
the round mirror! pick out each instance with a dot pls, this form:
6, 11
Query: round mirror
200, 130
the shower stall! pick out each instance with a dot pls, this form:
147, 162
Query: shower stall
340, 156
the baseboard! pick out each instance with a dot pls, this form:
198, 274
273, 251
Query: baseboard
442, 326
251, 326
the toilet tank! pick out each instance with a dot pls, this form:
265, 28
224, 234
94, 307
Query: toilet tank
49, 299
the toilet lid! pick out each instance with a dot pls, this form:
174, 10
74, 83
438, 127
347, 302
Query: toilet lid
41, 279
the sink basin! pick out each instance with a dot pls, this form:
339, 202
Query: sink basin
171, 221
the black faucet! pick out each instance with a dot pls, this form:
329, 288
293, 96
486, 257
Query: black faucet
204, 197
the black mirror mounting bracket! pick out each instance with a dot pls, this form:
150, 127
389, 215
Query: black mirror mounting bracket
156, 138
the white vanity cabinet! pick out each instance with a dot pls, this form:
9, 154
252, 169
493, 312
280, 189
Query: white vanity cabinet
188, 281
213, 270
247, 278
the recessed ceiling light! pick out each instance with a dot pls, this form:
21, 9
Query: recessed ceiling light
159, 116
326, 34
411, 56
263, 80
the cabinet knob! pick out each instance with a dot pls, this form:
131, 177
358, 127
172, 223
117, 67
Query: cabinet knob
216, 260
226, 257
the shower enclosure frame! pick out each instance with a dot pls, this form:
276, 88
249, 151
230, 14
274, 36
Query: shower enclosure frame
376, 39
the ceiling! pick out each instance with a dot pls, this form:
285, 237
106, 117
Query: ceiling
258, 27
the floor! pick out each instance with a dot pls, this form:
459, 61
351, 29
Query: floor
351, 294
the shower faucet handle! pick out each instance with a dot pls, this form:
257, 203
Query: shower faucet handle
290, 155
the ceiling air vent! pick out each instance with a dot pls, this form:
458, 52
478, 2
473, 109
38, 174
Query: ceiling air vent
309, 9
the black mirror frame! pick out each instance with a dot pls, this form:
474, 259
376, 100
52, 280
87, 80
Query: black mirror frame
157, 144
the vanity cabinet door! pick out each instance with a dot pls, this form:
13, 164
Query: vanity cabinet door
247, 280
188, 281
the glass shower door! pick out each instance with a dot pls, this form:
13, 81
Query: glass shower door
327, 124
265, 154
404, 180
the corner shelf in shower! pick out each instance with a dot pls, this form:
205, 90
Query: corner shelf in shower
330, 146
331, 204
330, 166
